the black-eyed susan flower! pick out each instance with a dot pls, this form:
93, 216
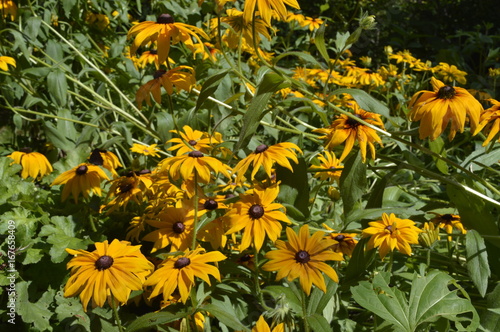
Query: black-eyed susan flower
136, 227
150, 57
165, 31
175, 227
185, 165
448, 222
391, 233
429, 235
100, 21
344, 129
370, 78
490, 121
110, 272
146, 150
5, 61
435, 109
266, 156
34, 164
123, 190
294, 17
215, 233
267, 9
190, 140
450, 73
84, 178
262, 326
179, 273
247, 260
106, 159
344, 242
257, 215
329, 166
182, 78
8, 8
303, 257
313, 23
242, 31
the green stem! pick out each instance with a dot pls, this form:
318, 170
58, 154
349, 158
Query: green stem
115, 314
258, 291
195, 222
304, 310
391, 261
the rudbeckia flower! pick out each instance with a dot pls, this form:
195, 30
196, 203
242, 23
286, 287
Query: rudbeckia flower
179, 272
313, 23
262, 326
266, 156
391, 233
8, 8
185, 165
242, 30
490, 119
344, 129
450, 73
181, 77
165, 31
146, 150
215, 233
34, 164
110, 272
303, 257
190, 140
6, 60
267, 8
150, 57
258, 216
123, 190
448, 222
106, 159
84, 178
444, 105
429, 235
330, 167
344, 242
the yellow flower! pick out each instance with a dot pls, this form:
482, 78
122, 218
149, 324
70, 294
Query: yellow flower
146, 150
215, 233
404, 57
111, 271
267, 8
490, 119
391, 233
448, 222
241, 29
299, 18
123, 190
344, 242
6, 60
330, 166
101, 21
165, 31
262, 326
312, 23
181, 77
191, 140
450, 73
8, 8
179, 273
266, 156
258, 216
429, 235
345, 129
443, 105
150, 57
303, 257
84, 178
106, 159
369, 77
34, 164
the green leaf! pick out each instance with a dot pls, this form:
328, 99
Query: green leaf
70, 311
308, 58
436, 146
294, 187
352, 182
224, 312
319, 41
318, 323
477, 261
365, 101
377, 196
490, 319
209, 87
38, 313
57, 86
291, 297
154, 319
430, 299
358, 264
271, 83
481, 158
318, 300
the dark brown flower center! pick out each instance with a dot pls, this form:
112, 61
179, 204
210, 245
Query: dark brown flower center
192, 142
261, 148
353, 123
339, 238
302, 257
165, 19
104, 262
210, 204
153, 52
368, 71
228, 196
81, 170
158, 74
389, 228
195, 154
125, 187
446, 92
256, 211
182, 262
245, 258
448, 218
178, 227
26, 150
130, 174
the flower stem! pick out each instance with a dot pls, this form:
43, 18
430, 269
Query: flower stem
195, 222
304, 311
115, 314
391, 261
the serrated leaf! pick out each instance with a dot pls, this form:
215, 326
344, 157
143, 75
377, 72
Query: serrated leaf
365, 101
477, 261
58, 86
154, 319
436, 146
36, 313
70, 310
270, 83
352, 182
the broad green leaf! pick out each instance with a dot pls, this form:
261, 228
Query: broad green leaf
377, 195
319, 41
224, 312
70, 311
318, 323
308, 58
318, 300
477, 261
341, 41
154, 319
430, 299
209, 87
57, 86
437, 146
291, 297
481, 158
352, 182
294, 187
37, 313
358, 264
365, 101
490, 318
270, 83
